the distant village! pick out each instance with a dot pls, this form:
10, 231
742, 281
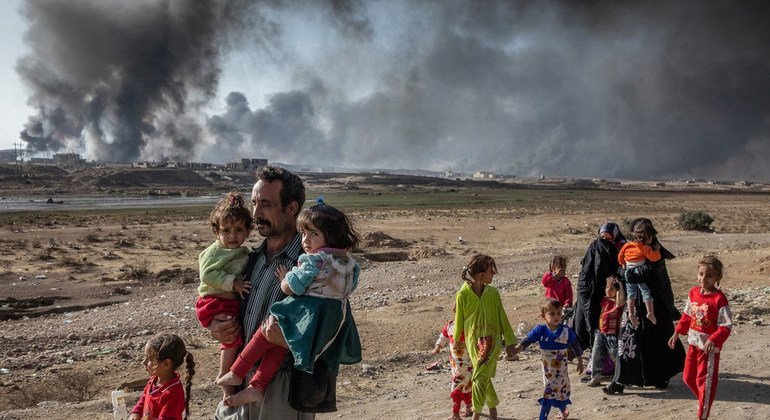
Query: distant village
73, 161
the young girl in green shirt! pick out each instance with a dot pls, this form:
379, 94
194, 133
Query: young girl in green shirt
481, 317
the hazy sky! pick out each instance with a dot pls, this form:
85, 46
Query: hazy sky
653, 89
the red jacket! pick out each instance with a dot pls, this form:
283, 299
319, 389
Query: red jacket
558, 288
705, 317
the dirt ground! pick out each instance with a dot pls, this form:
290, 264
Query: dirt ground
80, 297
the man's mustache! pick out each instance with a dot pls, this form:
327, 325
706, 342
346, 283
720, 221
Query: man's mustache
261, 221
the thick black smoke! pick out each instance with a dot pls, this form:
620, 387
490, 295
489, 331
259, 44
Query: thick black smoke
122, 79
650, 89
596, 89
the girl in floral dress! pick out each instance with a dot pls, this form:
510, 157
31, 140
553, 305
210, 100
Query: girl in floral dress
554, 338
462, 370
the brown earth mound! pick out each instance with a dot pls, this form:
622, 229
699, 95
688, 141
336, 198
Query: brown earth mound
382, 239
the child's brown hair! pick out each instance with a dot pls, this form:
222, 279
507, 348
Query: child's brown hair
643, 230
231, 208
712, 262
549, 303
337, 228
478, 263
558, 261
171, 346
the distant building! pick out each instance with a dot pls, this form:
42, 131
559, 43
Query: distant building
201, 166
68, 159
8, 155
247, 165
41, 161
484, 174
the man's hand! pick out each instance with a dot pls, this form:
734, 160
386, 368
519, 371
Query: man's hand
224, 328
241, 286
272, 331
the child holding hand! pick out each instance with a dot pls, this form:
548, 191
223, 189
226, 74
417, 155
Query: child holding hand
481, 319
707, 322
606, 336
554, 338
462, 370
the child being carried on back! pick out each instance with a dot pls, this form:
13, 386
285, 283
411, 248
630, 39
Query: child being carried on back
633, 255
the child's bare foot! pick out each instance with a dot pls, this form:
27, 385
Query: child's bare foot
651, 317
455, 416
468, 411
227, 390
248, 395
564, 415
493, 413
229, 378
634, 319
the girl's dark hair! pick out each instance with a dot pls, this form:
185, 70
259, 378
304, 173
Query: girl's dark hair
171, 346
478, 263
231, 208
558, 261
644, 226
549, 303
712, 262
336, 227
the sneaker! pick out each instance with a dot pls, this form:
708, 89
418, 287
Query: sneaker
594, 382
613, 388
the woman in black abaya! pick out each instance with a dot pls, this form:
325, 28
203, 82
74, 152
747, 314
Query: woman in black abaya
644, 358
600, 261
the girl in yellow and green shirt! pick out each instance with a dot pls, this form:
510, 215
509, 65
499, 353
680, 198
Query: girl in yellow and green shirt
481, 317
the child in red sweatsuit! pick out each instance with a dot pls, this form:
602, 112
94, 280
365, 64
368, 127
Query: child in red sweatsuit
707, 322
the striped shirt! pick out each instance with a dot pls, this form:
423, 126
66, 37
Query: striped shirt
265, 287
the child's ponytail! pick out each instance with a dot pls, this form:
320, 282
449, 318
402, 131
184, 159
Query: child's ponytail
189, 373
477, 264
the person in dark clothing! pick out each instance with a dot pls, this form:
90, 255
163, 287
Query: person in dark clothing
599, 263
644, 358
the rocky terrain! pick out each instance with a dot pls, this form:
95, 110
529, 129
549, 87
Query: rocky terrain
81, 292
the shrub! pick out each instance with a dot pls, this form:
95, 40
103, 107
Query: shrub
139, 270
696, 220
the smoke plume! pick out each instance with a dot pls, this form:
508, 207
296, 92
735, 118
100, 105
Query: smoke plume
120, 78
650, 89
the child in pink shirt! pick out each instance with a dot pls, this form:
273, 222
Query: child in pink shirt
556, 283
